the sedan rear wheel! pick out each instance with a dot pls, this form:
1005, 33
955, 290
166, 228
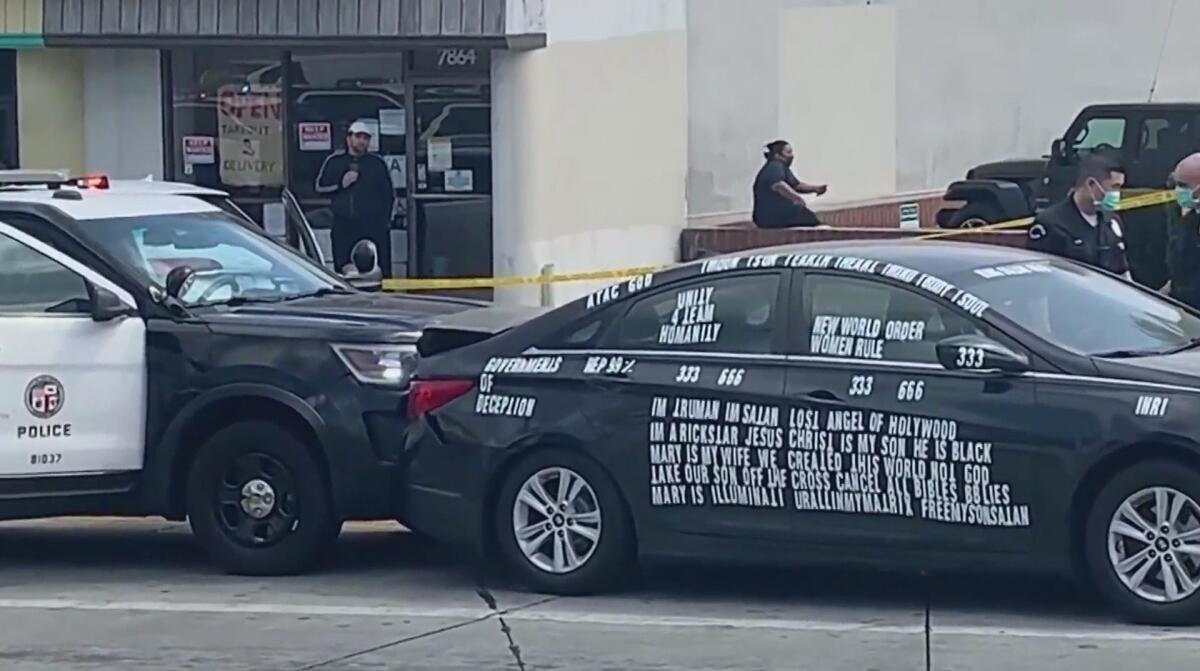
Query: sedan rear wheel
561, 524
557, 520
1144, 543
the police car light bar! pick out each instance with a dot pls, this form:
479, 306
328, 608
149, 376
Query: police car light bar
48, 178
93, 182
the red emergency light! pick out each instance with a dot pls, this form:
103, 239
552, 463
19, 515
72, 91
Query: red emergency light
93, 182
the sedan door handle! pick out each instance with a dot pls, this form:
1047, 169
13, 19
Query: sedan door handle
823, 396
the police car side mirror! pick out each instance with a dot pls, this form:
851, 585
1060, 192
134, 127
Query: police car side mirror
980, 354
179, 280
106, 306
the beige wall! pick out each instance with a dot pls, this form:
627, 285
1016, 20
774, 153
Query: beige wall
590, 157
837, 97
50, 118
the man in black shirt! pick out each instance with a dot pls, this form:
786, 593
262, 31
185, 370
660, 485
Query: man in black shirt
778, 202
1084, 226
360, 187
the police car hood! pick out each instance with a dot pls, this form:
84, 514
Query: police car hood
358, 317
1181, 369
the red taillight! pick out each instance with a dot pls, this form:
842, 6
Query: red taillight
93, 182
425, 396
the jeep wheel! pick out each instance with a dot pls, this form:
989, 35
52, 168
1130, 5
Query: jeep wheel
975, 215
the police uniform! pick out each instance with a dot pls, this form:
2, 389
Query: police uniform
1183, 257
1062, 230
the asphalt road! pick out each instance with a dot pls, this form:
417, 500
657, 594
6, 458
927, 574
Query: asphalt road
104, 594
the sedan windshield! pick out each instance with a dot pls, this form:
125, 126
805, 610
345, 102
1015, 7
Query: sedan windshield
233, 263
1084, 311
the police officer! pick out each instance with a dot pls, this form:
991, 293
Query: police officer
1183, 234
1084, 226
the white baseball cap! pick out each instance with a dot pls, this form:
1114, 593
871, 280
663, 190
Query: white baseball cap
359, 127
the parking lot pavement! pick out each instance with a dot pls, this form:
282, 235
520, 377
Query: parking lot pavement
106, 594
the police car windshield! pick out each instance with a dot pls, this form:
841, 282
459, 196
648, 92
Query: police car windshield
233, 263
1083, 310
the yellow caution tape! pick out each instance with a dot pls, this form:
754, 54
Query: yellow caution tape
483, 282
1135, 202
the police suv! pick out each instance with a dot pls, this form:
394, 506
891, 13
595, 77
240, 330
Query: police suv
162, 356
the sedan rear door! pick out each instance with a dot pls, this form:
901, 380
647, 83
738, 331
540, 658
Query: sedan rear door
691, 376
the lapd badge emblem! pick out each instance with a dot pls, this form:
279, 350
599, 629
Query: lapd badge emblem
44, 397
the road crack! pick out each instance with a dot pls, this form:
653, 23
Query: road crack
495, 613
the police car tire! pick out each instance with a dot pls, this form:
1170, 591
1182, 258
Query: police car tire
1127, 482
614, 557
304, 547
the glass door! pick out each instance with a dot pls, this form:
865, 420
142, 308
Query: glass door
328, 92
452, 197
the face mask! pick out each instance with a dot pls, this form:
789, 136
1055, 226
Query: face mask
1109, 202
1186, 197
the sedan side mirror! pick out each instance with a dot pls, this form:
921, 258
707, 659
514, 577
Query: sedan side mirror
106, 306
979, 353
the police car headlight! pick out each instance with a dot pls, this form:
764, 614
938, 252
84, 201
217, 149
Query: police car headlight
384, 365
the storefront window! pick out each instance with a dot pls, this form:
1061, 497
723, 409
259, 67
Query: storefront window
8, 109
227, 116
234, 127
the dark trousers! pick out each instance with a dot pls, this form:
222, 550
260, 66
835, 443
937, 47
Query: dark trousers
795, 216
346, 234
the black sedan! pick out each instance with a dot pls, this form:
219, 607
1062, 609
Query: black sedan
914, 405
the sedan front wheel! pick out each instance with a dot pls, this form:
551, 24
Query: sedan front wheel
1143, 543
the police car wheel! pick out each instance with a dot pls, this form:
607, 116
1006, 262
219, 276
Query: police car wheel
562, 525
1143, 543
257, 501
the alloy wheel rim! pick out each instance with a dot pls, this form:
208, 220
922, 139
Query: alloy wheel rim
256, 503
1154, 544
557, 520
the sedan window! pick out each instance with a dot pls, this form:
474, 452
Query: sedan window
732, 314
1083, 310
862, 319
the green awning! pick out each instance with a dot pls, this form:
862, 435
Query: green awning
21, 41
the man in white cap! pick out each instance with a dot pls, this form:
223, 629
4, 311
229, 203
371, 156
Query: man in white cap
360, 187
